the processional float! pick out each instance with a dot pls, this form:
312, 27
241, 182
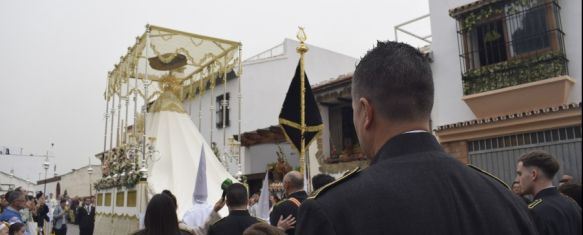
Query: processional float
150, 142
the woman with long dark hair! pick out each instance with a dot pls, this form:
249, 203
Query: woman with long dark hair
161, 217
42, 211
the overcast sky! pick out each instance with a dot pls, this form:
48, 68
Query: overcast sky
54, 56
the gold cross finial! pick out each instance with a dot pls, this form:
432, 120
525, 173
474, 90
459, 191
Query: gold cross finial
301, 35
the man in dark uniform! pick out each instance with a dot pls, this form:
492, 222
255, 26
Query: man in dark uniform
293, 184
86, 217
553, 213
239, 218
411, 185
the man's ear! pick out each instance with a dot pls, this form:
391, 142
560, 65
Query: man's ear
367, 112
534, 173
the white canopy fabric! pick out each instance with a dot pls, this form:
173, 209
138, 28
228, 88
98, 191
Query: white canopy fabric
175, 167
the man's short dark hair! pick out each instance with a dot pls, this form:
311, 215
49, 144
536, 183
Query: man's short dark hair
543, 160
237, 195
14, 195
397, 79
320, 180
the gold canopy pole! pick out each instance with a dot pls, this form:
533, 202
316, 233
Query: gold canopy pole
200, 94
107, 98
212, 106
239, 172
302, 49
120, 99
224, 109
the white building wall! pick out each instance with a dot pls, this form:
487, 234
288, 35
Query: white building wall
264, 84
77, 182
571, 20
51, 188
449, 106
10, 182
258, 156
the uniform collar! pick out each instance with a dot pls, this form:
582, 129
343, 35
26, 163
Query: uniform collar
298, 194
407, 143
239, 212
547, 192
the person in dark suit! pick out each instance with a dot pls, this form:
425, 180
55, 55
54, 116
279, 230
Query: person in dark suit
412, 186
293, 184
239, 218
86, 217
553, 212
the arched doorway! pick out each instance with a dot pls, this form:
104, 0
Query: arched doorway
58, 190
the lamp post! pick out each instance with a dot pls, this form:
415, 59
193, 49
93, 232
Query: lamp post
46, 167
90, 172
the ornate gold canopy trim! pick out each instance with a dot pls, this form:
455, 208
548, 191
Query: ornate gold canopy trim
202, 57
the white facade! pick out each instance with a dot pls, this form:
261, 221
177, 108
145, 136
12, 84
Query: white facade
51, 187
77, 182
449, 106
264, 83
9, 182
257, 157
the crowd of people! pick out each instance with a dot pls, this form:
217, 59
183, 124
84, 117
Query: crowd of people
23, 213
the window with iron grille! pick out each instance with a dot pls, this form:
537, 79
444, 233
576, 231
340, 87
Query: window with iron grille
507, 43
220, 117
526, 139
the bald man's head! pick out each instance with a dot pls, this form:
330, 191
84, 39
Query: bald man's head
294, 181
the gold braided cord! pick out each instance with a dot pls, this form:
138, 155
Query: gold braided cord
289, 140
298, 126
115, 215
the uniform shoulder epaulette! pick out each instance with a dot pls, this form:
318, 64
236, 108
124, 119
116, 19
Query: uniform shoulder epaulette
280, 202
260, 219
325, 188
490, 175
535, 203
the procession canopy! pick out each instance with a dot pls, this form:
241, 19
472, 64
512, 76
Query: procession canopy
207, 58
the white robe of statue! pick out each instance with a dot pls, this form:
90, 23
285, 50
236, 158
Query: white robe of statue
179, 142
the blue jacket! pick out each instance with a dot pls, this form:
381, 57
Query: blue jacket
11, 215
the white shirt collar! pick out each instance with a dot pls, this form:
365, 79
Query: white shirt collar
415, 131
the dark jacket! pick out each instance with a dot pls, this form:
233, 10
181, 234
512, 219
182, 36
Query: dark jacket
555, 214
41, 215
287, 207
234, 224
86, 220
413, 187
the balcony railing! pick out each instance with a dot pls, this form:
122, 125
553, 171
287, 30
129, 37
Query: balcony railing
514, 72
508, 43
